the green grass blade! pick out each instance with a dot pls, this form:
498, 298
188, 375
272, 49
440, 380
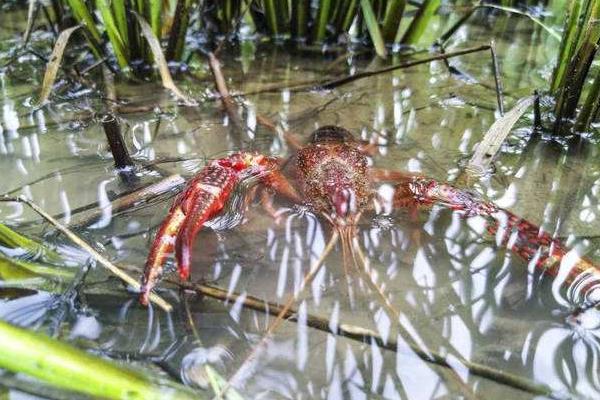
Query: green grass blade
513, 10
155, 9
34, 250
64, 366
83, 16
567, 45
590, 107
178, 30
114, 36
420, 22
12, 269
320, 30
299, 19
373, 28
271, 16
577, 72
392, 19
120, 12
350, 15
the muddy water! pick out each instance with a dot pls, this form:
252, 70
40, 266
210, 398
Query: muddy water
447, 292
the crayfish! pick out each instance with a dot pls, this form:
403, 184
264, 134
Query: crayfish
332, 177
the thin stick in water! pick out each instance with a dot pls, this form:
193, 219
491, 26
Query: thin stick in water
497, 80
364, 335
361, 75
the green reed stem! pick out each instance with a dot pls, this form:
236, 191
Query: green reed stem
178, 30
300, 17
567, 44
118, 45
322, 20
34, 250
271, 15
373, 28
82, 15
155, 9
577, 72
120, 12
350, 15
64, 366
590, 106
392, 19
420, 22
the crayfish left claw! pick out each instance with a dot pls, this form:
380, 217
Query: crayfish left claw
202, 199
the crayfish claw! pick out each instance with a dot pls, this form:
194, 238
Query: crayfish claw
202, 199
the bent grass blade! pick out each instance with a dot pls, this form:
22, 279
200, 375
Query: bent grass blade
54, 64
161, 63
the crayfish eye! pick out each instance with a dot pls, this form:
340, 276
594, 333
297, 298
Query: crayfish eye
331, 134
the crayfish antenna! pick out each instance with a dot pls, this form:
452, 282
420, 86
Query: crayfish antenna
362, 264
346, 234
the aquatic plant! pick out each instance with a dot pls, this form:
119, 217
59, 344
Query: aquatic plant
64, 366
379, 23
577, 100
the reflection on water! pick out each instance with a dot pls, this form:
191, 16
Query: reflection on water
439, 301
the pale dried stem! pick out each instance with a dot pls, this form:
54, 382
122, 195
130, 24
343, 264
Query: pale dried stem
89, 249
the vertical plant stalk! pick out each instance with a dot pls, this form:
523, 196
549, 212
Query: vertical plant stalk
537, 113
299, 19
83, 16
420, 21
271, 16
349, 16
373, 28
579, 66
320, 28
32, 11
567, 44
392, 19
120, 11
497, 79
178, 30
590, 106
155, 18
115, 37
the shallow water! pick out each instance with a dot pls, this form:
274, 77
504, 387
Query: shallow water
454, 291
